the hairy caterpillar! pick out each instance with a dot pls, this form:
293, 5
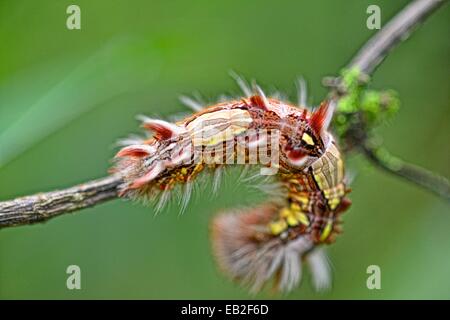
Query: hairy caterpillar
290, 142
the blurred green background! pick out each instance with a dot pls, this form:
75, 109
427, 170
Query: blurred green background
66, 96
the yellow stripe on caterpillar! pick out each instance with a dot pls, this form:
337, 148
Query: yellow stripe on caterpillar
277, 227
302, 218
327, 230
213, 128
304, 200
334, 202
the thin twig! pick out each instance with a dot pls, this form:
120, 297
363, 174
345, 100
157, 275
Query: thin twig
413, 173
367, 60
43, 206
395, 31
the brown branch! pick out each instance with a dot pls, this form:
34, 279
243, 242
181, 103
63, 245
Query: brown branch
422, 177
43, 206
367, 60
395, 31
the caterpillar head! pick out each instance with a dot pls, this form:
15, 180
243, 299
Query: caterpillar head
308, 140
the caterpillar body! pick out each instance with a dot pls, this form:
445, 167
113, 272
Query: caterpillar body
289, 142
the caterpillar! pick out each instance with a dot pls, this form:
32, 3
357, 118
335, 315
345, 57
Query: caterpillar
290, 143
